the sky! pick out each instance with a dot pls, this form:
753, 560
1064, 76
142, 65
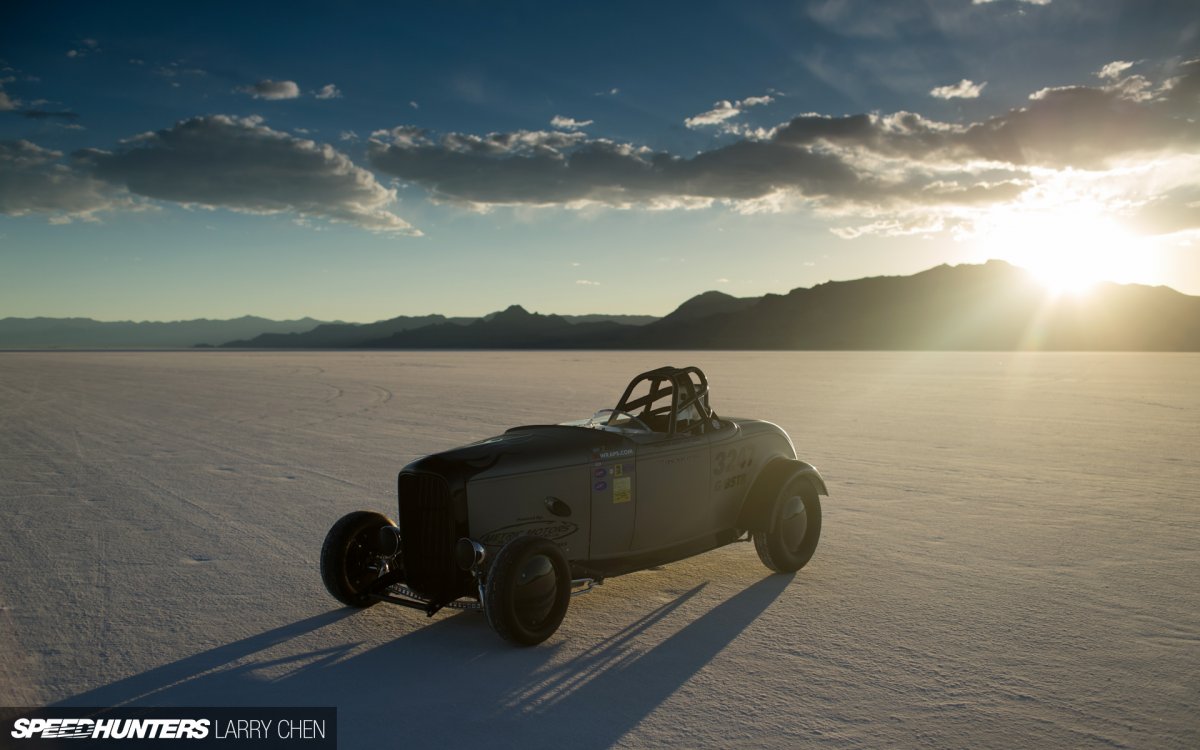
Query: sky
360, 161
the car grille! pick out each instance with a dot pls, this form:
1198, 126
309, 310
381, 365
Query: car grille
427, 537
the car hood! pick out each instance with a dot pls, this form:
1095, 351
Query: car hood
525, 449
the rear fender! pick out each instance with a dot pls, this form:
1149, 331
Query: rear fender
756, 511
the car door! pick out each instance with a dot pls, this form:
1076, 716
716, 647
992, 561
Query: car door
613, 505
673, 491
734, 466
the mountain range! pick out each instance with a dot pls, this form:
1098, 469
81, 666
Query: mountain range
433, 328
992, 306
85, 333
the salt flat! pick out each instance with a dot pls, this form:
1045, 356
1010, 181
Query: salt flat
1010, 554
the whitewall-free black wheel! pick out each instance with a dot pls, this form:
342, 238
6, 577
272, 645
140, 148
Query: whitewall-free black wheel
794, 530
350, 557
528, 590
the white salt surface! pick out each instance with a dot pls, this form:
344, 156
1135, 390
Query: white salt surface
1010, 553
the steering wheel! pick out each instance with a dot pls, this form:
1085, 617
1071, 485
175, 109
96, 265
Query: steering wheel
613, 413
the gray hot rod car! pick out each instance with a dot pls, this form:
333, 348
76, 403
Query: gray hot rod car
516, 523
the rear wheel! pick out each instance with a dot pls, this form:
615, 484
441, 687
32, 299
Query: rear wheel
350, 556
528, 590
794, 529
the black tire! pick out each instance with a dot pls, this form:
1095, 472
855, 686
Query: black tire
349, 554
528, 590
794, 528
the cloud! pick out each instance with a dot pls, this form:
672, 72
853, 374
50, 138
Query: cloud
1086, 128
896, 173
964, 89
1113, 70
216, 161
1182, 89
1028, 2
720, 112
86, 47
176, 69
755, 101
9, 104
548, 168
328, 91
219, 161
272, 90
724, 110
1175, 210
586, 282
33, 180
569, 123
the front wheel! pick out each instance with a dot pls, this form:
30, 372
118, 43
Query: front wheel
794, 529
528, 590
350, 557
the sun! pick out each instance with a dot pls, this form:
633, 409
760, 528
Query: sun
1064, 271
1069, 252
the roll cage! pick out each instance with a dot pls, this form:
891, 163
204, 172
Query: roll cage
671, 400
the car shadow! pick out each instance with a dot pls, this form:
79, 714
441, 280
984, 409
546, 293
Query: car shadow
595, 698
454, 681
147, 687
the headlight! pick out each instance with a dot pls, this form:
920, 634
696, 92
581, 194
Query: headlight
469, 554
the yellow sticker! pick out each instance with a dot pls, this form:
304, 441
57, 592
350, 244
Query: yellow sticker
618, 470
622, 489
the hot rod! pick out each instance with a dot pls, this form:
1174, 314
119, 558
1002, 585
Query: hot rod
517, 523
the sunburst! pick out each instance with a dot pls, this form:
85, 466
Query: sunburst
1070, 251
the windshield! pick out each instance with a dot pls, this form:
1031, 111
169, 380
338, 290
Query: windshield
611, 420
667, 401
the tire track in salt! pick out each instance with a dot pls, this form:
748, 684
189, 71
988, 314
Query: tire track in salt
144, 428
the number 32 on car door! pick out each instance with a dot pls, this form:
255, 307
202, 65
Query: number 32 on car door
729, 467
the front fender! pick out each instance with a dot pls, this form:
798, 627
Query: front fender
756, 511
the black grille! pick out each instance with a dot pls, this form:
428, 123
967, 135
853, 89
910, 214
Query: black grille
427, 536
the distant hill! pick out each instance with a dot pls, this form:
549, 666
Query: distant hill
993, 306
344, 335
340, 335
626, 320
709, 303
513, 328
85, 333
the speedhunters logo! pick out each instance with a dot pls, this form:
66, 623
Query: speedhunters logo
117, 729
258, 728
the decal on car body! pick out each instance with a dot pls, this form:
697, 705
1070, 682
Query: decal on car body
604, 455
546, 528
622, 489
619, 489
